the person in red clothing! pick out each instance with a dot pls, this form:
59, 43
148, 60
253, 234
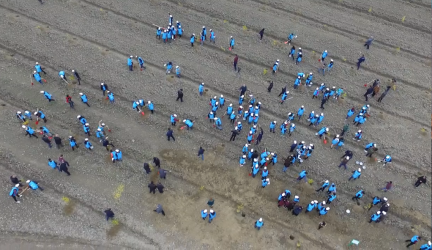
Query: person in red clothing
69, 100
388, 186
235, 62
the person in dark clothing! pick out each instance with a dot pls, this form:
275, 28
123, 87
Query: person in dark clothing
109, 214
259, 137
180, 95
152, 187
261, 33
162, 173
169, 134
384, 94
369, 91
58, 141
360, 60
47, 140
243, 89
255, 155
368, 42
235, 62
64, 167
348, 153
160, 187
297, 210
270, 86
289, 205
371, 151
70, 102
321, 225
156, 161
283, 90
77, 76
420, 180
210, 202
107, 144
147, 168
234, 133
14, 179
201, 153
324, 100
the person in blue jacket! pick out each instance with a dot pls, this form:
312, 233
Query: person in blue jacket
272, 126
299, 58
311, 206
130, 63
232, 43
426, 246
179, 31
265, 182
37, 77
356, 174
62, 75
212, 36
212, 215
264, 173
53, 164
88, 144
189, 123
387, 159
119, 155
45, 131
255, 170
39, 68
164, 36
14, 193
72, 143
284, 96
259, 223
86, 129
242, 160
169, 66
292, 53
297, 82
158, 32
47, 95
110, 96
274, 158
84, 99
375, 217
323, 186
358, 195
331, 198
140, 62
34, 185
358, 135
275, 66
192, 39
204, 214
283, 127
413, 240
173, 119
150, 106
322, 131
332, 189
201, 89
323, 55
100, 135
291, 36
29, 131
324, 211
291, 129
330, 65
309, 79
300, 112
302, 175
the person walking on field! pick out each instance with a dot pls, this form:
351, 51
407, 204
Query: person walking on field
159, 210
235, 62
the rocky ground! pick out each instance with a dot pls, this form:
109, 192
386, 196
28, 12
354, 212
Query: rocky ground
96, 37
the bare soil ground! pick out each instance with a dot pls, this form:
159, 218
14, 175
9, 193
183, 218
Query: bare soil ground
96, 37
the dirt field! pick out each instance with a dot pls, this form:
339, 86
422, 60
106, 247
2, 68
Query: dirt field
96, 37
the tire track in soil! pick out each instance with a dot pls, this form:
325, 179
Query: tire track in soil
333, 27
258, 64
385, 18
130, 155
268, 113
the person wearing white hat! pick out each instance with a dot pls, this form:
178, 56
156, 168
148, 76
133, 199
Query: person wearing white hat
259, 223
173, 119
15, 192
178, 71
325, 184
119, 155
265, 182
77, 76
356, 174
344, 162
204, 214
88, 144
130, 63
375, 217
104, 88
324, 211
426, 246
84, 99
34, 185
212, 215
264, 173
